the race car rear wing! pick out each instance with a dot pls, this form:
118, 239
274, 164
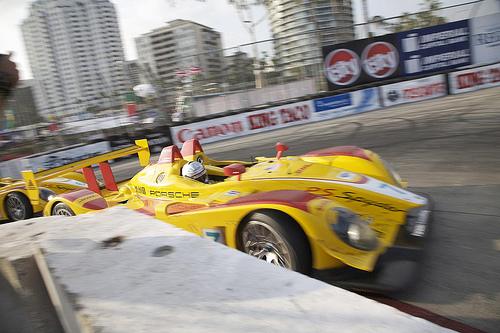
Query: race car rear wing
32, 179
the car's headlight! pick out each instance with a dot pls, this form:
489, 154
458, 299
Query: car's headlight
353, 231
46, 195
416, 221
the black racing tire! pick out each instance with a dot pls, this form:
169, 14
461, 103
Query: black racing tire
62, 209
276, 238
18, 206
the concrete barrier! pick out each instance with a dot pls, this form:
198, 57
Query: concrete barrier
127, 272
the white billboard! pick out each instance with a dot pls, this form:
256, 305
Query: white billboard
485, 39
413, 90
243, 124
474, 79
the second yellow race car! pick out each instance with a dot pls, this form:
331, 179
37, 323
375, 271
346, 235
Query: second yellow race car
340, 214
14, 202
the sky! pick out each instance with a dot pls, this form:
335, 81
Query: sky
137, 17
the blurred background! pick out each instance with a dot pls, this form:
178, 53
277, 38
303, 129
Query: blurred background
186, 61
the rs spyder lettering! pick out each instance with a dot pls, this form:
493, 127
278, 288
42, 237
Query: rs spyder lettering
351, 196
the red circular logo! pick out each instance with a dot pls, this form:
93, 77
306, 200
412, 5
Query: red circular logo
380, 59
342, 67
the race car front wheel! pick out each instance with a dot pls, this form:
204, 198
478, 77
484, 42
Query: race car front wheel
62, 209
276, 238
18, 206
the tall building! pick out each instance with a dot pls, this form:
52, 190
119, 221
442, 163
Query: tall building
22, 103
75, 53
177, 47
302, 28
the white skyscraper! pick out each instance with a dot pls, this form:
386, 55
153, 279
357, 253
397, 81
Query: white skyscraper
302, 28
75, 53
178, 46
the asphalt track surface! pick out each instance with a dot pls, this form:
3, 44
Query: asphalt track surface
447, 147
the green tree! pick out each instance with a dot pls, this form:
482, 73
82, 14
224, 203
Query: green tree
427, 17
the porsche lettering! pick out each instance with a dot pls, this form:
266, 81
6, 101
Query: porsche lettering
173, 195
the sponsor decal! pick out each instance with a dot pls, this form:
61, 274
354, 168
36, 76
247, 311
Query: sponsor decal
160, 177
302, 169
181, 207
58, 188
346, 176
217, 235
380, 59
68, 181
342, 67
232, 193
273, 167
83, 200
140, 190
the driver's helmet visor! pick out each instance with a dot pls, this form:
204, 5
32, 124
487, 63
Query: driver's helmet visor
201, 176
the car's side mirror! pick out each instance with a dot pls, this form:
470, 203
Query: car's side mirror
234, 169
280, 147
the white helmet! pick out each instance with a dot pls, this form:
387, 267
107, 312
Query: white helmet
194, 170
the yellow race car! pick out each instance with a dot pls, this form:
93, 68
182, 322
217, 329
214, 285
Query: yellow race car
14, 202
340, 214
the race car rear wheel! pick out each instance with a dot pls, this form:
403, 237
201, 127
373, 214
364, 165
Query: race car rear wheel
18, 206
62, 209
276, 238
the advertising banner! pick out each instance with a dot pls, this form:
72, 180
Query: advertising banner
244, 124
158, 138
62, 157
414, 90
485, 38
361, 61
434, 49
346, 104
474, 79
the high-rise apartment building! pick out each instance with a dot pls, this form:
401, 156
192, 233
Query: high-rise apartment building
177, 47
302, 28
75, 53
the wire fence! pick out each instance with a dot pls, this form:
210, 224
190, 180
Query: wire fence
235, 89
243, 77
